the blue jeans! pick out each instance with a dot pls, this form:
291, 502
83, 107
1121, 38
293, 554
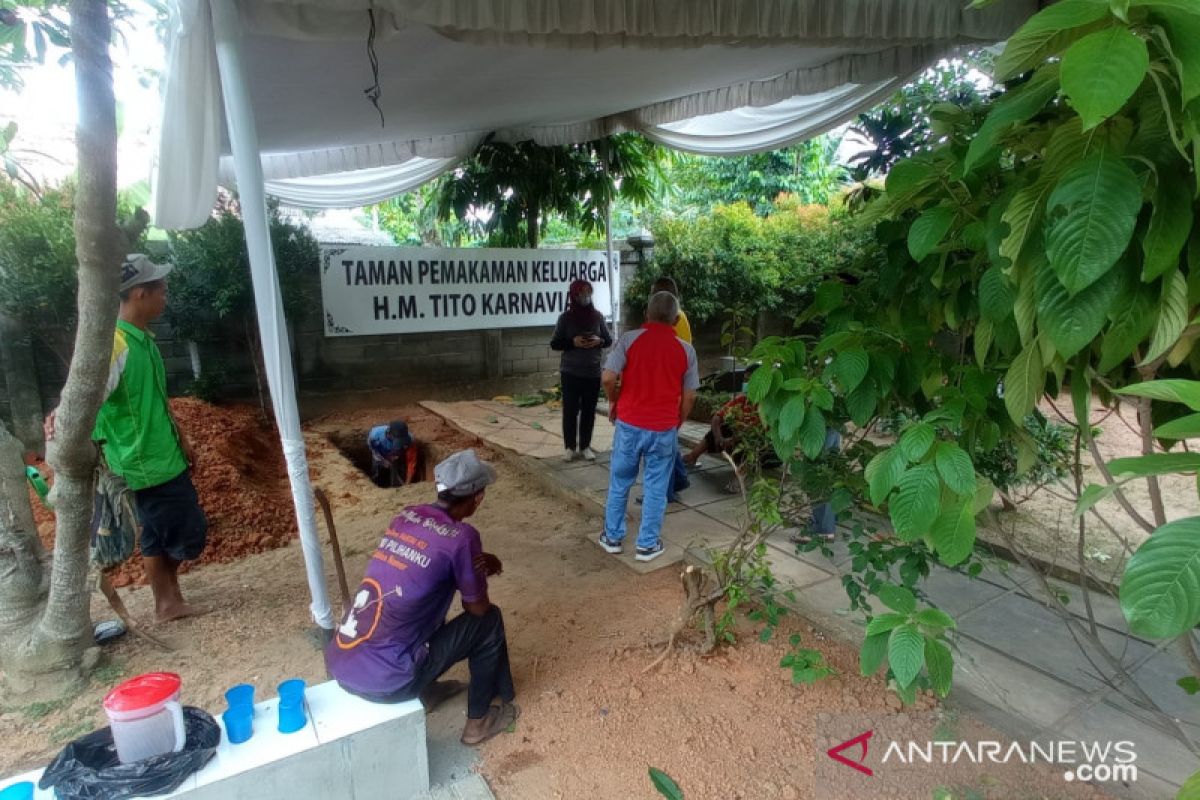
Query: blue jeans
679, 477
824, 521
630, 446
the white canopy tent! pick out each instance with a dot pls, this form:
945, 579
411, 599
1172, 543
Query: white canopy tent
272, 94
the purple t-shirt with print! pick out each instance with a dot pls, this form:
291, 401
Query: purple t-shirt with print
422, 559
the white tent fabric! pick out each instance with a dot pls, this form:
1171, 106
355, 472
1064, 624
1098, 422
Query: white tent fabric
359, 187
710, 76
555, 71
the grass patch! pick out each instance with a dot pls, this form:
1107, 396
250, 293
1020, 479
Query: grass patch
108, 674
44, 709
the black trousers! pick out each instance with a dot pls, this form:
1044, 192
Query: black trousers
579, 396
479, 640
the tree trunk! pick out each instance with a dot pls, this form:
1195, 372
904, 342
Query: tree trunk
16, 351
22, 586
54, 654
532, 222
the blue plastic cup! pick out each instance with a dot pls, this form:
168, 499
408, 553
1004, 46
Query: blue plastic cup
292, 716
18, 791
240, 695
239, 723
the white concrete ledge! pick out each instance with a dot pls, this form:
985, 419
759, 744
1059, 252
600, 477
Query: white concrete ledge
350, 748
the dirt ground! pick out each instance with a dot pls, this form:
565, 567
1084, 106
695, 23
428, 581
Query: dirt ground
1043, 527
582, 629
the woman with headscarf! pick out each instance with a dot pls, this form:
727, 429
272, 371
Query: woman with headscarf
580, 334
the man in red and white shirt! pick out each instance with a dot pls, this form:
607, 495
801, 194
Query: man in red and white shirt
658, 379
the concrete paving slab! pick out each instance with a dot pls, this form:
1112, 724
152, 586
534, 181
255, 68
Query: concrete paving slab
1011, 685
793, 571
1107, 609
1157, 676
535, 431
957, 594
731, 511
1159, 756
707, 486
1017, 625
691, 529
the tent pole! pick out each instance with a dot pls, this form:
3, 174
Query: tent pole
614, 273
272, 326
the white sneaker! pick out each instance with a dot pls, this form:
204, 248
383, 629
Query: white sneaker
570, 456
589, 454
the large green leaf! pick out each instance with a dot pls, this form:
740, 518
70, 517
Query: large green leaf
1172, 316
1101, 71
1182, 25
996, 295
851, 367
1072, 323
915, 506
1155, 464
935, 618
985, 333
928, 230
1025, 308
874, 650
953, 533
1014, 107
1101, 198
1160, 592
955, 467
1169, 226
665, 785
1068, 146
940, 665
1183, 428
760, 383
916, 440
861, 403
1190, 789
1024, 382
1046, 33
1093, 494
883, 472
897, 598
883, 623
1022, 216
906, 653
1131, 325
791, 416
812, 433
1171, 390
909, 175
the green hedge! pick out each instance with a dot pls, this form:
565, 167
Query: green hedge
735, 259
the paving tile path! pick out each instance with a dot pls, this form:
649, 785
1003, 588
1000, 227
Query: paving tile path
1018, 666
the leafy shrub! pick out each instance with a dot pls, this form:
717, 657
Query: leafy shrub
735, 259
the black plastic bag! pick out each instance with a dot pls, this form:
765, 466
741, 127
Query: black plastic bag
88, 768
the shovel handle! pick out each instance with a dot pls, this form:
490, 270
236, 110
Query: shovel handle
335, 547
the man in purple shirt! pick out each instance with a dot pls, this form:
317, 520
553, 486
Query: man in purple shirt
395, 641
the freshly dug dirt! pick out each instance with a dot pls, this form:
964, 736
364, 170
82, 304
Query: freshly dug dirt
240, 478
582, 628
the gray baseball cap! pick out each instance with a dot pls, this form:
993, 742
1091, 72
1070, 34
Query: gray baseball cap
139, 269
462, 474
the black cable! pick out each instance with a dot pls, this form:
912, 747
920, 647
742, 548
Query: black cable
374, 91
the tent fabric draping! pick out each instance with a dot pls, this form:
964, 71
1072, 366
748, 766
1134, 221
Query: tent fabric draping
358, 187
279, 85
555, 71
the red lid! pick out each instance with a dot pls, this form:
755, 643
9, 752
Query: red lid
143, 691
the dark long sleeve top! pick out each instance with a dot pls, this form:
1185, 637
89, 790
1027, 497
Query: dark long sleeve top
583, 362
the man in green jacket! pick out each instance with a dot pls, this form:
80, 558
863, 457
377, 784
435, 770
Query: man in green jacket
143, 444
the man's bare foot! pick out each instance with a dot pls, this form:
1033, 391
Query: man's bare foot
497, 720
174, 611
439, 692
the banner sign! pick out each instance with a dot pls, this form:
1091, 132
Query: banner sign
382, 290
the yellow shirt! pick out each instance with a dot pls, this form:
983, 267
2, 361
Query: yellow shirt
683, 328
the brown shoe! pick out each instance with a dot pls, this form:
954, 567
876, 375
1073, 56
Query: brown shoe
497, 720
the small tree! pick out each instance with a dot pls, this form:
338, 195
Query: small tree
509, 191
45, 641
211, 293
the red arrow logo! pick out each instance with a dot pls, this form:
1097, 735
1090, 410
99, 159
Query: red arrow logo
861, 740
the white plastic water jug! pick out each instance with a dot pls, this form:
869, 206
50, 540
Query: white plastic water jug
146, 717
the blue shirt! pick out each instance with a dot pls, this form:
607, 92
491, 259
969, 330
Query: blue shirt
383, 447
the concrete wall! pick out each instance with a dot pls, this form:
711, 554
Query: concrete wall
332, 364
